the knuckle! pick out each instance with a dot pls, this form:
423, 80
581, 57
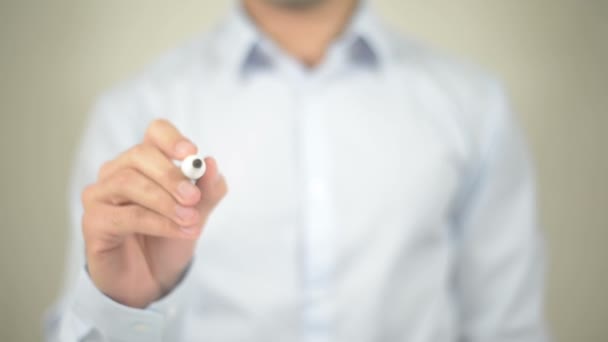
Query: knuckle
94, 247
104, 170
137, 152
115, 221
86, 223
148, 187
140, 155
161, 225
138, 214
90, 220
156, 125
86, 195
167, 224
124, 178
172, 174
159, 198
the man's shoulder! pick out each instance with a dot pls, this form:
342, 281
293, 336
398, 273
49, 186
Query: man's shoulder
455, 75
459, 93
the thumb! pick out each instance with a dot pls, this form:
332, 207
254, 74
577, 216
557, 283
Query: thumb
212, 185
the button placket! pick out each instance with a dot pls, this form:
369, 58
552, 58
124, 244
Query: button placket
317, 227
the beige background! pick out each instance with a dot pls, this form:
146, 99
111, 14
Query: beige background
55, 56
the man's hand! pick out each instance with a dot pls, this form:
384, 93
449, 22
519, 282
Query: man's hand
142, 217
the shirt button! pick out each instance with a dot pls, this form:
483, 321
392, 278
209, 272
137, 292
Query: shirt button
140, 327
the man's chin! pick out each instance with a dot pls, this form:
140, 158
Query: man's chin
296, 4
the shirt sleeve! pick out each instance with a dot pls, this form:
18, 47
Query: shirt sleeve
500, 268
83, 313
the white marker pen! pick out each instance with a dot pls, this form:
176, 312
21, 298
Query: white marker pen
193, 167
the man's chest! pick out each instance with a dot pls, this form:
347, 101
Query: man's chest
364, 151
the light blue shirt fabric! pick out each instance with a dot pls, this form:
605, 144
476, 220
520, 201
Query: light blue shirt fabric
385, 195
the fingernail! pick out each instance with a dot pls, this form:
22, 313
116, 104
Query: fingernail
187, 190
184, 148
184, 213
188, 230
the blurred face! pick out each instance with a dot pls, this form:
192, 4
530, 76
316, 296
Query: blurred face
303, 4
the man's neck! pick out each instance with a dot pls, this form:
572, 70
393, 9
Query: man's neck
304, 33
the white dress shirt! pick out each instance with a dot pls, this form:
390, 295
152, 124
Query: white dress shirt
385, 195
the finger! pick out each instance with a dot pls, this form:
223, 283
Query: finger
150, 162
131, 187
131, 219
162, 134
213, 187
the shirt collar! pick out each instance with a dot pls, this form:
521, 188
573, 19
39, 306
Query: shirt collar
247, 48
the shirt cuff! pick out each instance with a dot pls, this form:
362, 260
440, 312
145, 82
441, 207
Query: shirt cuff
120, 322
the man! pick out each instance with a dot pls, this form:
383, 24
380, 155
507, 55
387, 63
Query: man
378, 192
